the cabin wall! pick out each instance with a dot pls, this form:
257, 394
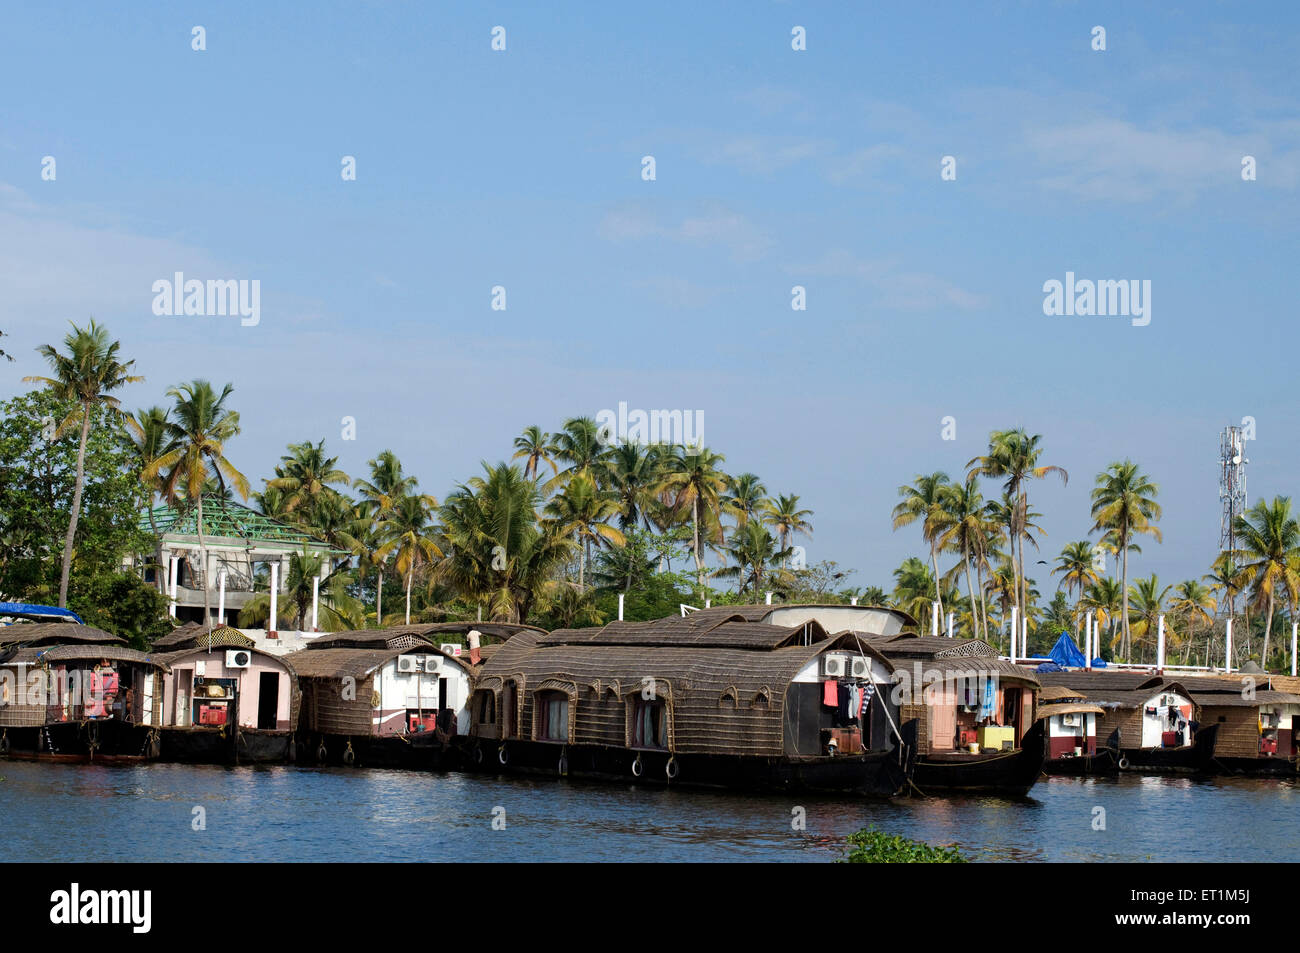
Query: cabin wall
1120, 728
921, 715
248, 682
1155, 725
947, 714
325, 710
1238, 735
401, 692
16, 689
1063, 739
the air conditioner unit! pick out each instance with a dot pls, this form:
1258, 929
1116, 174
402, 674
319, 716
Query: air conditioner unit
408, 663
450, 648
859, 667
431, 664
1070, 721
833, 665
238, 658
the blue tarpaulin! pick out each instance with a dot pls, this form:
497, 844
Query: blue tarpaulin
1049, 667
27, 610
1066, 654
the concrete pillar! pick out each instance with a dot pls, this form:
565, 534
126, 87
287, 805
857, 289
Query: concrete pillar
1024, 636
1227, 646
1087, 641
275, 597
934, 618
221, 599
1013, 630
951, 633
173, 570
620, 607
769, 598
315, 602
1160, 646
1294, 626
853, 601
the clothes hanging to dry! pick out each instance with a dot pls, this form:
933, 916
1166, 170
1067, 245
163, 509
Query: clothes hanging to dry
831, 694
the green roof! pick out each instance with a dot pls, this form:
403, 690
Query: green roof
229, 520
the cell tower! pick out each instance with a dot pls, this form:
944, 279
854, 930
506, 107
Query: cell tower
1232, 484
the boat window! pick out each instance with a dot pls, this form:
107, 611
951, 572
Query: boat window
551, 716
649, 723
487, 708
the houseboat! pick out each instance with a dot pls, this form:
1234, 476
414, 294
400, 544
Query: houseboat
976, 713
1257, 725
1071, 726
1148, 723
396, 697
224, 700
72, 692
709, 699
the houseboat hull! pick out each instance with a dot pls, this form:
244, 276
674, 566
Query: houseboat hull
1006, 773
1189, 759
216, 746
98, 741
1275, 767
424, 751
872, 774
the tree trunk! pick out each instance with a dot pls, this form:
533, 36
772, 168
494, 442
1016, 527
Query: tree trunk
409, 575
76, 507
203, 558
973, 609
1127, 639
379, 601
938, 596
695, 522
1268, 630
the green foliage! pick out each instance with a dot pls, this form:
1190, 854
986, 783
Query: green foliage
871, 846
121, 603
37, 480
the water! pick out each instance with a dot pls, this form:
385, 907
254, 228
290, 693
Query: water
88, 813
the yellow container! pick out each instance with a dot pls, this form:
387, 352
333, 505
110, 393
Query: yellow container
992, 736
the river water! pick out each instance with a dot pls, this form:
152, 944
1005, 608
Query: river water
148, 813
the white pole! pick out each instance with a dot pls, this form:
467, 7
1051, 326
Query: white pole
1012, 631
1227, 646
934, 618
275, 595
853, 601
769, 598
1160, 646
950, 632
221, 598
708, 603
173, 570
1024, 636
315, 601
620, 607
1294, 626
1087, 641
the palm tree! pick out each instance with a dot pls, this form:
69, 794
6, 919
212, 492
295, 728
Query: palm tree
579, 445
693, 478
784, 515
1195, 605
501, 553
745, 498
148, 431
966, 533
197, 433
1001, 587
631, 472
409, 532
307, 476
379, 494
924, 500
1075, 566
85, 377
580, 510
1268, 539
1013, 455
913, 583
536, 447
1124, 504
754, 549
1105, 598
336, 608
1147, 600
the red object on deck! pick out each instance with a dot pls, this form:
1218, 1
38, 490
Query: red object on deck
210, 715
1169, 739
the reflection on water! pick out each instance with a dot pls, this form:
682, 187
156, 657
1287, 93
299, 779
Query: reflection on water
324, 814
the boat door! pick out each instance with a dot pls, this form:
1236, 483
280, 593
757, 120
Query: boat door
268, 700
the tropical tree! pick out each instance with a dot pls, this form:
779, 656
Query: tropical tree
631, 472
1013, 457
745, 498
307, 477
784, 515
579, 444
501, 553
1123, 506
197, 433
694, 480
913, 585
966, 533
1146, 601
924, 500
379, 495
1075, 566
410, 534
85, 376
754, 549
336, 608
1105, 598
1268, 539
581, 510
148, 430
536, 447
1195, 606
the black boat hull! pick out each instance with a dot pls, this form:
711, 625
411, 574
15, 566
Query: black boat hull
425, 751
101, 741
216, 746
1189, 759
1011, 774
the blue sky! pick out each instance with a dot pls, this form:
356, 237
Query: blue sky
775, 168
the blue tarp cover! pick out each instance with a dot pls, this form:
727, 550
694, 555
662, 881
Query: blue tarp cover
1049, 667
28, 610
1066, 654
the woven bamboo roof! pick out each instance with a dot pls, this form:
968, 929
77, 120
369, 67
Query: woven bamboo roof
1068, 708
1055, 693
1237, 700
199, 652
340, 662
194, 634
693, 631
72, 653
432, 632
56, 633
932, 646
980, 666
1096, 681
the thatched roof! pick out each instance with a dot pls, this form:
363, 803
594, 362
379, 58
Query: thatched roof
932, 646
1054, 693
1068, 708
199, 651
1262, 698
1096, 682
956, 667
194, 634
418, 633
56, 633
712, 631
33, 655
340, 662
